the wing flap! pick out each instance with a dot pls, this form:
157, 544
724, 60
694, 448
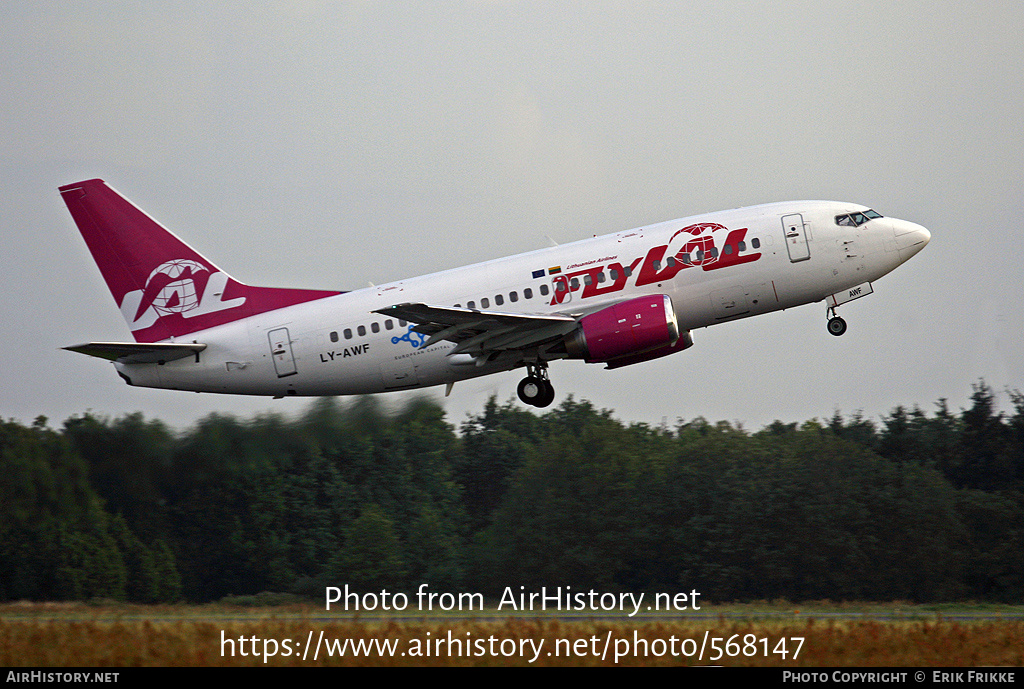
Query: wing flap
481, 332
139, 352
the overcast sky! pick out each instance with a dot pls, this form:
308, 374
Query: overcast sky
328, 144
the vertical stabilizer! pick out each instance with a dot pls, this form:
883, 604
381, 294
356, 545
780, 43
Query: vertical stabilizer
164, 287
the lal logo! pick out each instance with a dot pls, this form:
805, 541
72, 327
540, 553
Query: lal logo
693, 246
180, 286
174, 287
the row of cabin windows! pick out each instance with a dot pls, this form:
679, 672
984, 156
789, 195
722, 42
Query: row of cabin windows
513, 296
485, 303
361, 330
613, 274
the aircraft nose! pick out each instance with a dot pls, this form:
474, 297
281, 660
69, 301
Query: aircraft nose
910, 237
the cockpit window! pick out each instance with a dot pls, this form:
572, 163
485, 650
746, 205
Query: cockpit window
856, 219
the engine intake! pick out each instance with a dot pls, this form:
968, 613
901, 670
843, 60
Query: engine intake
624, 330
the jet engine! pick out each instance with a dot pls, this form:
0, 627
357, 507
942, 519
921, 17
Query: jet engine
685, 342
625, 330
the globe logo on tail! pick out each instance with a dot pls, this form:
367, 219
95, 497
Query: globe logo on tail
174, 287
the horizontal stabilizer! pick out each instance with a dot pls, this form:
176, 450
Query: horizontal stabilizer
139, 352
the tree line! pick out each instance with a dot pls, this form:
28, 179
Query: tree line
918, 506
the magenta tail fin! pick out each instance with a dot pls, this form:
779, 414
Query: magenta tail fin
164, 287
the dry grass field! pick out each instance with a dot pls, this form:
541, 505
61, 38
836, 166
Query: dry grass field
779, 635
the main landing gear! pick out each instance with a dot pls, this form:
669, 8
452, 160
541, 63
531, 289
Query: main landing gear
836, 325
535, 389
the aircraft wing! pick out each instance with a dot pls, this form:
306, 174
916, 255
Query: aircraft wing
482, 332
139, 352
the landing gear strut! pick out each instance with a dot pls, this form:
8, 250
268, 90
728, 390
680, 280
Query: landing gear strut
836, 325
536, 389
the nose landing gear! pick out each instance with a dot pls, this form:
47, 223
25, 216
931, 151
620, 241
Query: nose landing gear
836, 325
536, 389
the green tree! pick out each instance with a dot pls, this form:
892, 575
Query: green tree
371, 558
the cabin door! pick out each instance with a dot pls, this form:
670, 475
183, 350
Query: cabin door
795, 233
281, 350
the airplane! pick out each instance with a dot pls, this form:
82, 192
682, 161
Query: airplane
618, 300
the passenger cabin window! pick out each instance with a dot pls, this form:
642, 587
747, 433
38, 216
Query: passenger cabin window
361, 330
513, 297
334, 336
389, 324
375, 327
470, 304
485, 303
614, 274
498, 300
544, 291
528, 293
348, 333
756, 243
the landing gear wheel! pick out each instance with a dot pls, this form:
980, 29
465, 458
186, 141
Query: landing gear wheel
536, 390
836, 326
548, 396
531, 390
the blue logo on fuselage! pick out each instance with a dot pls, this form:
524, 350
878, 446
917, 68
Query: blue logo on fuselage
415, 339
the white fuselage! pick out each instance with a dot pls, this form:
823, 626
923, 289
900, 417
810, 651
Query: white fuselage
339, 346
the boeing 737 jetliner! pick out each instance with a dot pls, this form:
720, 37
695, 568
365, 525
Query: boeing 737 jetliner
618, 300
